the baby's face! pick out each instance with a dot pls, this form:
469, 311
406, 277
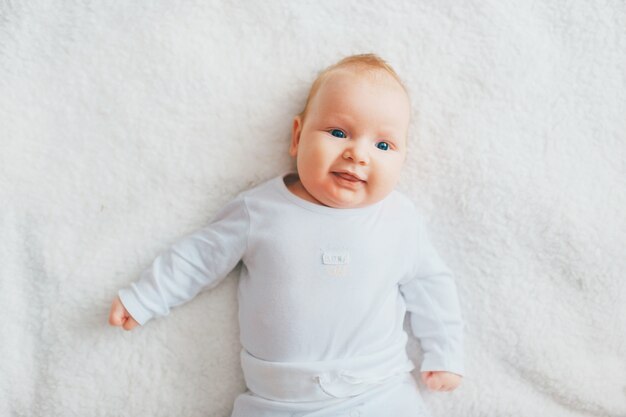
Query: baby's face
351, 146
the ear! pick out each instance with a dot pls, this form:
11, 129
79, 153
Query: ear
295, 136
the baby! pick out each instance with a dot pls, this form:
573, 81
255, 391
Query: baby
333, 258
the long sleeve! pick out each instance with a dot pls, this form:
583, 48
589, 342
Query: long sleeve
200, 260
431, 299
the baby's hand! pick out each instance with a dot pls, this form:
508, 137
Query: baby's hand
119, 316
441, 380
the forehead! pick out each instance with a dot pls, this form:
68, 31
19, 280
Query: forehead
368, 92
375, 80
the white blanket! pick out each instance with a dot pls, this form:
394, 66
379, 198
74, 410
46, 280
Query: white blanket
126, 125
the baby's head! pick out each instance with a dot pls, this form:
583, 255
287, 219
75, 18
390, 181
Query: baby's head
350, 140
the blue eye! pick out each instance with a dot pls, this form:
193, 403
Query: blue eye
338, 133
383, 146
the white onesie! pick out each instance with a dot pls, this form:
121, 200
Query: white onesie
322, 297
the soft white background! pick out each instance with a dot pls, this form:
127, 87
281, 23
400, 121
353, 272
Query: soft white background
126, 125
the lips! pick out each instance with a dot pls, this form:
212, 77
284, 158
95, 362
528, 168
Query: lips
348, 176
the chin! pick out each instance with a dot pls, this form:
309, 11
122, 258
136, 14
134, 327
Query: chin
348, 204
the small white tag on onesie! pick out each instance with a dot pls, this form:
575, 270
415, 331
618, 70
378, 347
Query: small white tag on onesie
335, 258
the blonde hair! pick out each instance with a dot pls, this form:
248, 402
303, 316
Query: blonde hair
360, 62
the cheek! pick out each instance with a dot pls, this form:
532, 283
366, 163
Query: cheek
310, 164
319, 153
388, 172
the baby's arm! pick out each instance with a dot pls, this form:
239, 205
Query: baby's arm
431, 298
196, 262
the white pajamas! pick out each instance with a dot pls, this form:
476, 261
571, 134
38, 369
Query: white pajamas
322, 297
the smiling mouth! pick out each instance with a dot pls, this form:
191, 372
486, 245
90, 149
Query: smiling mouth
347, 177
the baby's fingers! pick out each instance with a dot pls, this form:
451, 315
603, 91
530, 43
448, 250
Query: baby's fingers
434, 384
119, 316
425, 376
116, 315
430, 380
130, 323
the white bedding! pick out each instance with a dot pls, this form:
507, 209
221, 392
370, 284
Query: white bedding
126, 125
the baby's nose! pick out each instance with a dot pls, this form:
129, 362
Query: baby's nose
357, 153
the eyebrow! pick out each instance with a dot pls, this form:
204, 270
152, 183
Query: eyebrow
341, 116
386, 131
347, 118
